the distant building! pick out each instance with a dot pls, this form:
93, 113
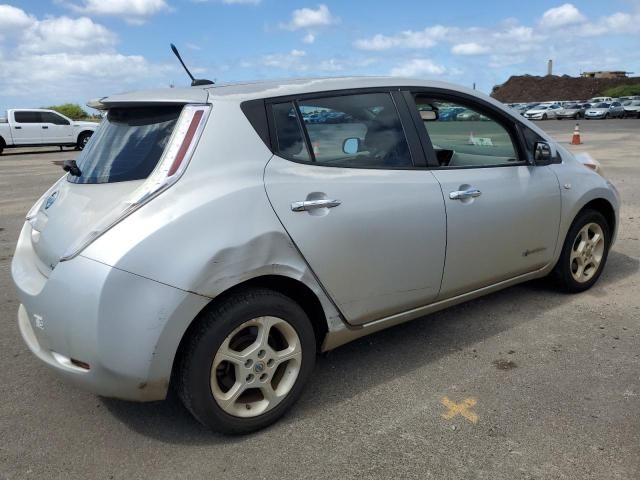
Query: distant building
605, 74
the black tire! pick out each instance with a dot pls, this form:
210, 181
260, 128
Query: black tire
1, 145
83, 138
561, 273
207, 336
606, 116
544, 116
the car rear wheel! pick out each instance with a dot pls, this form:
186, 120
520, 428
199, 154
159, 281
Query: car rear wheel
544, 116
584, 252
1, 146
82, 140
247, 361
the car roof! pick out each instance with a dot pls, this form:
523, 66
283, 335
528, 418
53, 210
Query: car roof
266, 89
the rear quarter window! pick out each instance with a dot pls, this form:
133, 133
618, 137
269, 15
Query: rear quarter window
127, 145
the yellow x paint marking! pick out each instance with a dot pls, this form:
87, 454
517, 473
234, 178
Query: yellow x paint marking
460, 409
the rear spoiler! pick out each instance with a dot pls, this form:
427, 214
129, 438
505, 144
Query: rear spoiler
97, 104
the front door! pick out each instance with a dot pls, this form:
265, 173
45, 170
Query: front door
56, 129
503, 213
369, 224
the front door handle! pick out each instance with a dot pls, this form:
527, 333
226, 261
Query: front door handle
44, 126
18, 128
314, 204
463, 194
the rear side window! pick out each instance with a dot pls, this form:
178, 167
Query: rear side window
127, 145
27, 117
356, 131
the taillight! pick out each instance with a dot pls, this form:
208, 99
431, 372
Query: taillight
186, 143
170, 168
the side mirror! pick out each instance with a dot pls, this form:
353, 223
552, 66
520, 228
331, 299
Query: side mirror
542, 154
351, 146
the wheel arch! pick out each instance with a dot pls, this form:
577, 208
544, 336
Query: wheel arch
603, 206
302, 294
82, 132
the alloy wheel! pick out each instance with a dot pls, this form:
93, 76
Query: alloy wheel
587, 252
256, 367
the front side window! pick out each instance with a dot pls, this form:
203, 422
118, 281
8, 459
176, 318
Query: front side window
48, 117
127, 145
356, 131
464, 136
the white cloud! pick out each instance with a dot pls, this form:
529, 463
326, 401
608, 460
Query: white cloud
614, 24
63, 34
60, 59
308, 18
132, 11
309, 38
566, 14
407, 39
13, 18
418, 67
471, 48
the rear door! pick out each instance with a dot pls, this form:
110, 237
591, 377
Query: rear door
349, 190
502, 211
56, 129
26, 128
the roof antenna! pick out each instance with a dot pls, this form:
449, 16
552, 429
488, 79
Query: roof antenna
195, 82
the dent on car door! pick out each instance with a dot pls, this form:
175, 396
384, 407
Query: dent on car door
371, 227
502, 211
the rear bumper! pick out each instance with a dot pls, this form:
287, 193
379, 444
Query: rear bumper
125, 327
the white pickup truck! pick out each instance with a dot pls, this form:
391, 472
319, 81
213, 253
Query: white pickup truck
38, 127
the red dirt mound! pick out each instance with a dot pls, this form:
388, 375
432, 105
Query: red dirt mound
528, 88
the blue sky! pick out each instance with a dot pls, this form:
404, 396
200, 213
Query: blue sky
55, 51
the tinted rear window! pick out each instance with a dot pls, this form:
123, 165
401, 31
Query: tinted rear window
27, 117
127, 145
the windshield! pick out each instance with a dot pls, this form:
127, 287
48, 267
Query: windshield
127, 145
601, 105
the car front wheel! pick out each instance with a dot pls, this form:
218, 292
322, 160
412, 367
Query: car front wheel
247, 361
584, 252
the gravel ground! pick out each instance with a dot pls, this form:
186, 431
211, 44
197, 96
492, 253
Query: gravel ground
523, 384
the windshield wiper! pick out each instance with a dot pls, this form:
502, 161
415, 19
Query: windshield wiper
71, 167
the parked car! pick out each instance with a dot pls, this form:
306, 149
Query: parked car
632, 109
572, 110
543, 112
604, 110
209, 240
600, 100
40, 127
522, 108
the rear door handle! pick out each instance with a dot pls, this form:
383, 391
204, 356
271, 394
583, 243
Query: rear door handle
314, 204
18, 128
462, 194
44, 126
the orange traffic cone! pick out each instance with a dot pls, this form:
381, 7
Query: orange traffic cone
576, 135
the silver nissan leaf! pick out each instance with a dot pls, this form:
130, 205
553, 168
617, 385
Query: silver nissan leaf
214, 239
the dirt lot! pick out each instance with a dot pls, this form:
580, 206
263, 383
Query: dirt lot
523, 384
